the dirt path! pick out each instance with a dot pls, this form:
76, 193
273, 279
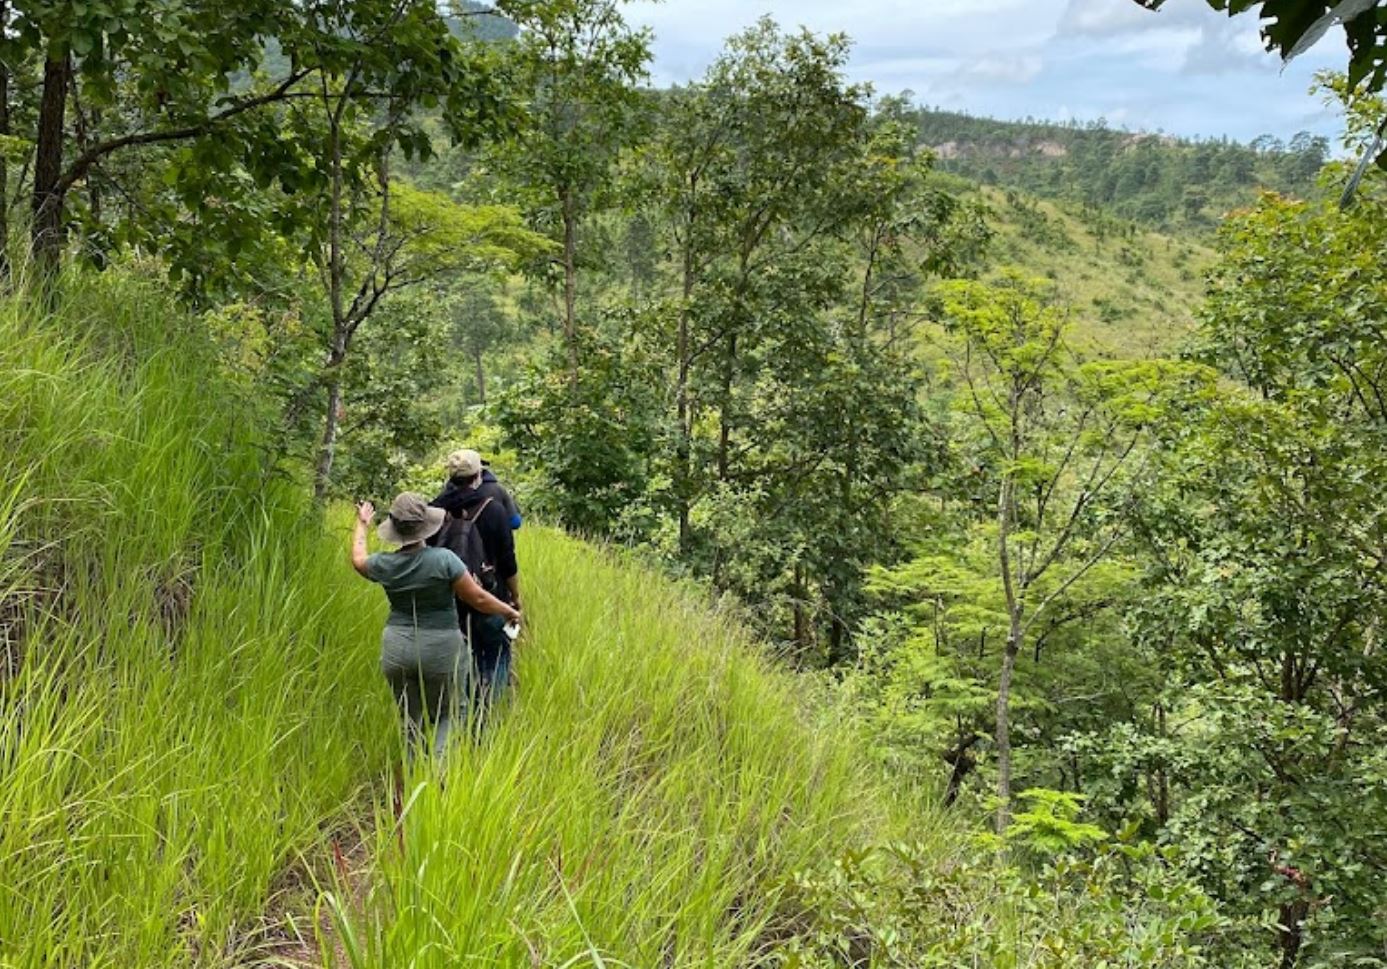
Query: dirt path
293, 940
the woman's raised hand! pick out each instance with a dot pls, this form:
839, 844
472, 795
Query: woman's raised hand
365, 512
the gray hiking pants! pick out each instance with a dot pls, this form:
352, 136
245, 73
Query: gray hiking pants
429, 672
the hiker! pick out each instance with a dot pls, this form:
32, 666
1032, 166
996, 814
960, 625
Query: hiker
493, 488
480, 531
423, 653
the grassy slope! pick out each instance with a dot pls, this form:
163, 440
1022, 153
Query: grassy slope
1130, 295
646, 800
193, 703
181, 648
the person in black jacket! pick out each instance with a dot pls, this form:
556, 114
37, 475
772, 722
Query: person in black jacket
466, 496
491, 486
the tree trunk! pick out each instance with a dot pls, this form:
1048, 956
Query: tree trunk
322, 475
1005, 518
336, 272
481, 378
82, 136
684, 455
801, 623
1004, 726
1162, 804
962, 763
336, 267
838, 638
1290, 931
570, 282
725, 410
47, 232
836, 591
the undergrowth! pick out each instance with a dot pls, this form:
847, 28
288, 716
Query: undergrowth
189, 697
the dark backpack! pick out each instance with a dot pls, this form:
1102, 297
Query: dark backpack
460, 536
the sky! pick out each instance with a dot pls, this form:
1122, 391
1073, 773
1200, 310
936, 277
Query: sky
1187, 70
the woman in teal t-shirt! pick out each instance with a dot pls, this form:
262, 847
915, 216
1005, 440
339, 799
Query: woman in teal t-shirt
423, 654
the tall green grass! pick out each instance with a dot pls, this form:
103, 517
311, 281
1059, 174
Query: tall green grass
190, 706
644, 801
190, 695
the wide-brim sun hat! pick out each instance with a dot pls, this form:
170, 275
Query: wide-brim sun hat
411, 519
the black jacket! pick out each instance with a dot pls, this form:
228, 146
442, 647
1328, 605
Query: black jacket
494, 489
493, 525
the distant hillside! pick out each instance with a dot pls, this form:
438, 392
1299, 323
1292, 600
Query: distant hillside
1132, 290
473, 20
1155, 179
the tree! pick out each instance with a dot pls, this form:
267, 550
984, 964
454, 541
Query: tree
741, 170
581, 63
592, 444
1268, 580
854, 414
478, 324
393, 240
365, 235
134, 74
927, 673
800, 229
1058, 441
119, 77
392, 389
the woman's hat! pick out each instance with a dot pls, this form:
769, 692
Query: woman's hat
411, 519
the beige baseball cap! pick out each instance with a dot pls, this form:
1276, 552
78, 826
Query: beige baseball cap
464, 464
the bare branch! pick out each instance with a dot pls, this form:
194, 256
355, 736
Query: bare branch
1078, 574
1090, 491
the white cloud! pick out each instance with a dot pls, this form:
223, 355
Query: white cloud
1165, 46
1007, 68
1223, 52
1104, 17
1205, 41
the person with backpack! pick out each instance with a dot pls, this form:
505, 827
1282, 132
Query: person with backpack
423, 653
478, 530
492, 487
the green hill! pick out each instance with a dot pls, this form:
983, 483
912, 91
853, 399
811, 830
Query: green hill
1155, 179
1132, 291
478, 21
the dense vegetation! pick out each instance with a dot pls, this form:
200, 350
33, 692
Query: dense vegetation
1154, 179
1057, 517
194, 729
